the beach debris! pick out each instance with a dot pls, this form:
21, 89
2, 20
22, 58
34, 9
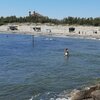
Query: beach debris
37, 29
71, 29
13, 28
48, 30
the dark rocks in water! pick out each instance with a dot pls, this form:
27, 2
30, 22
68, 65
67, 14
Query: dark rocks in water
89, 93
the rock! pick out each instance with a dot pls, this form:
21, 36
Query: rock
88, 99
89, 93
96, 95
82, 94
77, 95
95, 87
89, 90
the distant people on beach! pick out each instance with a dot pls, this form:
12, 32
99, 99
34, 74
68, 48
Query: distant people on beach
66, 52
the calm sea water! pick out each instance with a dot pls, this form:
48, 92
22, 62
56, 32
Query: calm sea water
36, 69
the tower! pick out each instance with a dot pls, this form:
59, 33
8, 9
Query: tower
29, 13
34, 13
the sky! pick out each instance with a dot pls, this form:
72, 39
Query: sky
52, 8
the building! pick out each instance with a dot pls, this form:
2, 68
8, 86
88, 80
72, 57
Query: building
35, 14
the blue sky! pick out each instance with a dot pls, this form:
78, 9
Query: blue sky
52, 8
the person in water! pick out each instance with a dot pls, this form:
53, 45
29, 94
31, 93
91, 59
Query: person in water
66, 52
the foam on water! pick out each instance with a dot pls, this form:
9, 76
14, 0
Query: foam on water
60, 99
49, 39
51, 96
32, 98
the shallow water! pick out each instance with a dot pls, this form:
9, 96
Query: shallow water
36, 69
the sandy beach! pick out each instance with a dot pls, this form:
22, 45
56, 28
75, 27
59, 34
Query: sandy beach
90, 32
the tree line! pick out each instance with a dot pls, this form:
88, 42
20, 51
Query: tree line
42, 19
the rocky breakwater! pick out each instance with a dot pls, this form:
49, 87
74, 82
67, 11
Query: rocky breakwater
88, 93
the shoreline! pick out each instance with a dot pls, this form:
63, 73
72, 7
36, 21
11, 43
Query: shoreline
54, 35
84, 32
86, 93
